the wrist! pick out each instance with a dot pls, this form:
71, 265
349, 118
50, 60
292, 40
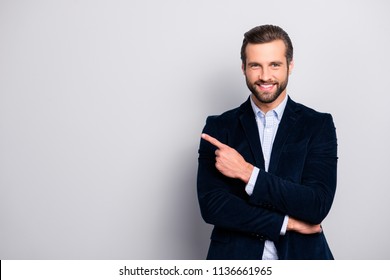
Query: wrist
290, 224
247, 172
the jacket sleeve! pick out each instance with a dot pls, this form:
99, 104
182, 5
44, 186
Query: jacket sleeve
223, 201
309, 200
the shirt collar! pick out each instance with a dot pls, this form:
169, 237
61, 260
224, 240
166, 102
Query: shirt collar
278, 111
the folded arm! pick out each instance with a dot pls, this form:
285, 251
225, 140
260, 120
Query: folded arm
309, 200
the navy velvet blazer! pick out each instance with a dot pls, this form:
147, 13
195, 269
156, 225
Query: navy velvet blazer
300, 182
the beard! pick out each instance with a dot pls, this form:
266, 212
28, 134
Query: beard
266, 96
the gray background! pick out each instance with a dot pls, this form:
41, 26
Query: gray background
102, 104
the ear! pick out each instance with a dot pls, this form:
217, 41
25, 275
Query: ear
243, 68
291, 67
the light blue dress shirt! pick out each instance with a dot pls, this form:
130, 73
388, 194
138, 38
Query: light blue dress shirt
268, 126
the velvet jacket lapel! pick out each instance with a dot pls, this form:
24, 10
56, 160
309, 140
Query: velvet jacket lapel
286, 127
248, 122
249, 125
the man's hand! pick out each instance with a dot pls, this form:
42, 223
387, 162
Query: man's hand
229, 162
302, 227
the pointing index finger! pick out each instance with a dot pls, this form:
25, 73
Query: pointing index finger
212, 140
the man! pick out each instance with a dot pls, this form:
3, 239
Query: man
267, 169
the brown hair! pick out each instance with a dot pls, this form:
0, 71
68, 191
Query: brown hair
265, 34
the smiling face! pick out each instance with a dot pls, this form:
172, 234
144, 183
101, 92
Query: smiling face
266, 71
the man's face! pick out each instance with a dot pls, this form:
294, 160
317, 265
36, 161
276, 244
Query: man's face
266, 71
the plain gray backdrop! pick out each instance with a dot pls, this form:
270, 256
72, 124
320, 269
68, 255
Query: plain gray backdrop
102, 103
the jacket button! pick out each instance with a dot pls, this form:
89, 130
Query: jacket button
261, 237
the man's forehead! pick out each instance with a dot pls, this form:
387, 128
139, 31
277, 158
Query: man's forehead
272, 50
276, 45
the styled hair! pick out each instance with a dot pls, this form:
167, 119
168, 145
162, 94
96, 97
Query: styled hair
266, 34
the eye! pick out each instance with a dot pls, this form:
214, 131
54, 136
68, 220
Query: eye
254, 66
275, 65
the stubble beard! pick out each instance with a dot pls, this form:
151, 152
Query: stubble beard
267, 97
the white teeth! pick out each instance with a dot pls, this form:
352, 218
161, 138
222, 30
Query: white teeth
266, 86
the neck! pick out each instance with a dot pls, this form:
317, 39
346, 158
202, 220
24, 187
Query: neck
265, 107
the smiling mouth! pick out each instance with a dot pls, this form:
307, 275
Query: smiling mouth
265, 87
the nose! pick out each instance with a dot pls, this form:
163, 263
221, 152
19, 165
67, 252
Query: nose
264, 75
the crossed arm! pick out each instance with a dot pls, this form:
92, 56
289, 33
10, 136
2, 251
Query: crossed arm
231, 164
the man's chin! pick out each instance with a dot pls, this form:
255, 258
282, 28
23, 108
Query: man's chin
265, 97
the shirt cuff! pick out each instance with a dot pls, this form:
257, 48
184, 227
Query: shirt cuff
252, 181
284, 226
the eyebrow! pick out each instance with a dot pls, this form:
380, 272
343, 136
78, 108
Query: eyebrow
277, 62
272, 62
